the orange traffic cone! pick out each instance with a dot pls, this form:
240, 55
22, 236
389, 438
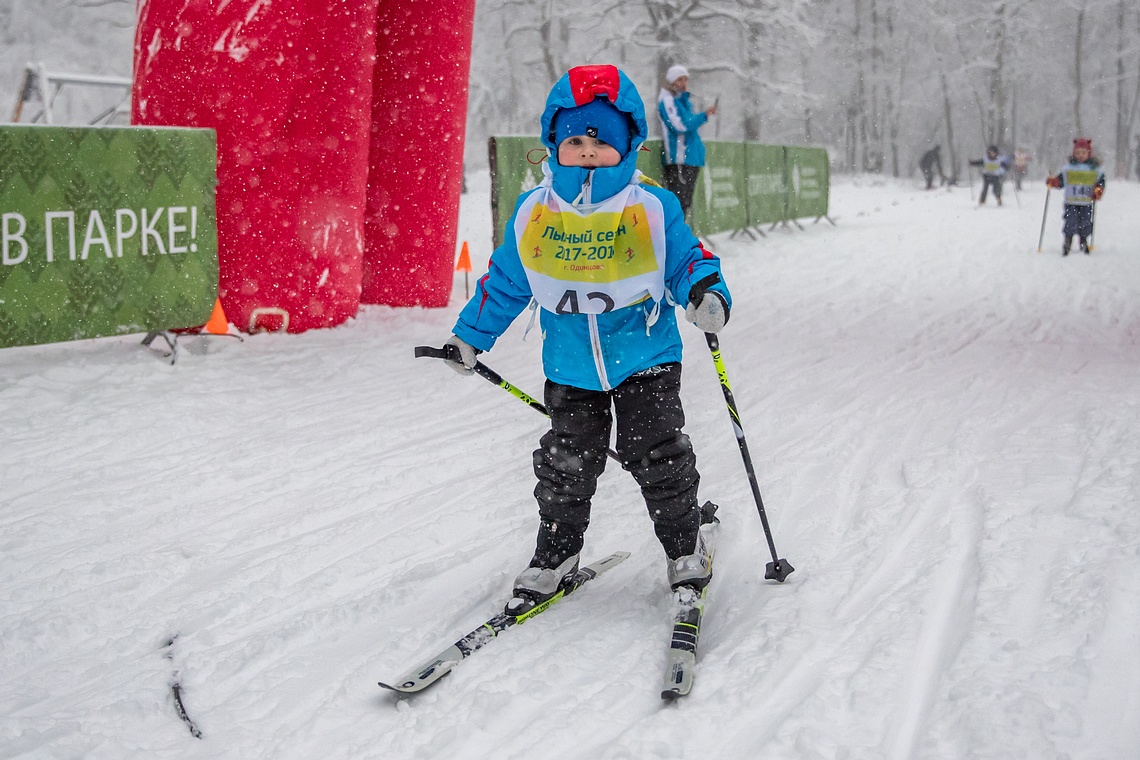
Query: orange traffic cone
464, 264
218, 324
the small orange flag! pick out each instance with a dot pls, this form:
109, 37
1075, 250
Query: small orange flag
464, 264
218, 324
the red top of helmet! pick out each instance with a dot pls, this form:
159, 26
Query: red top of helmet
588, 82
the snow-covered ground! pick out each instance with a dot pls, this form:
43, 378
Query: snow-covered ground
946, 428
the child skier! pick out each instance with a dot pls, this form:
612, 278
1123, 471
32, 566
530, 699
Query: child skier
1021, 159
994, 167
1083, 181
606, 256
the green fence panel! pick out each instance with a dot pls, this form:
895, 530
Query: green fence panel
105, 231
649, 161
516, 166
720, 201
767, 184
809, 181
741, 184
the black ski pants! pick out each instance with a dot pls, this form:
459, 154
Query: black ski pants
988, 181
681, 180
650, 444
1078, 220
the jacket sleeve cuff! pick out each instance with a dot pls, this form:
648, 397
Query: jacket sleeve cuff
479, 340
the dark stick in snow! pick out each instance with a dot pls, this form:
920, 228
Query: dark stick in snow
176, 692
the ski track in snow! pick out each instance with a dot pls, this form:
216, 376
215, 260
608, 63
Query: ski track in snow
945, 429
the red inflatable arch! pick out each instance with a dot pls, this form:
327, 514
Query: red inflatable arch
419, 118
340, 130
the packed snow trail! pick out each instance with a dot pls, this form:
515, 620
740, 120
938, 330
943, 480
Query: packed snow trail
945, 429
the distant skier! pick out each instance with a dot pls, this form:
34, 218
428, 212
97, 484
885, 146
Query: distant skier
1021, 159
682, 150
606, 256
1083, 181
931, 160
994, 167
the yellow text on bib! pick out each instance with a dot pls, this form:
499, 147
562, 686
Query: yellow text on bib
602, 247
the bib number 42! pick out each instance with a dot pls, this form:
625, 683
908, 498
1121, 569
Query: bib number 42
568, 304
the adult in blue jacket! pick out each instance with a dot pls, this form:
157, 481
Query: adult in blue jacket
683, 154
606, 256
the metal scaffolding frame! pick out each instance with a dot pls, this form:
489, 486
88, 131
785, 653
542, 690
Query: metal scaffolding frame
43, 86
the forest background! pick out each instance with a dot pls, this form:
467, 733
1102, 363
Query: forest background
876, 82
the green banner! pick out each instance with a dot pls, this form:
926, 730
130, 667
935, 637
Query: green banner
516, 166
741, 184
809, 181
720, 201
767, 184
649, 161
105, 231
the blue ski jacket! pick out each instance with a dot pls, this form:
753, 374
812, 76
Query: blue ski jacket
680, 128
594, 351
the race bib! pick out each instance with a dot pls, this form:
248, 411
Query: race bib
1079, 184
592, 262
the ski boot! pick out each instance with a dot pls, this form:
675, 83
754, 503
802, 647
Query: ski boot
555, 561
693, 571
540, 582
1067, 245
1084, 246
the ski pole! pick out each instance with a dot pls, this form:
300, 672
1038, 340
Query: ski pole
779, 568
970, 179
1092, 232
451, 353
1044, 214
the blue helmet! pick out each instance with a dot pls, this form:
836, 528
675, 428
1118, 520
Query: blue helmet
579, 87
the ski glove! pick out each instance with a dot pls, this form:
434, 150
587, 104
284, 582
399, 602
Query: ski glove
1053, 181
707, 309
467, 353
1098, 193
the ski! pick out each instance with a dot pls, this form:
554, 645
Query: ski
688, 609
431, 671
681, 663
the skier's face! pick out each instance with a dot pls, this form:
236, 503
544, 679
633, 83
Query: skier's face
587, 152
680, 84
1081, 154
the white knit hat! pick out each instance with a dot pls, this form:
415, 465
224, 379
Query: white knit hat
675, 72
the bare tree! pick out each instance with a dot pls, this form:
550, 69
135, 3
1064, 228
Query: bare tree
1079, 85
995, 107
1123, 122
1134, 155
948, 115
667, 23
872, 80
